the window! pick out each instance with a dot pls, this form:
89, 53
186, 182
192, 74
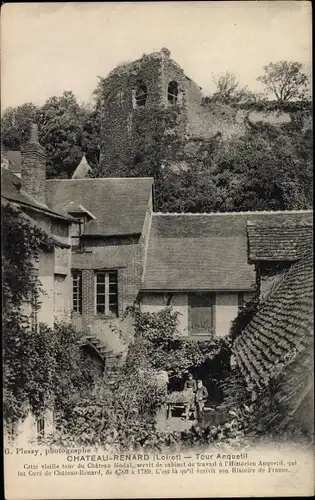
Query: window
77, 291
59, 229
241, 300
41, 427
140, 94
129, 123
76, 230
107, 293
201, 313
172, 92
34, 315
120, 96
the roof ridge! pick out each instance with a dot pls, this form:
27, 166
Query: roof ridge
237, 213
277, 225
100, 179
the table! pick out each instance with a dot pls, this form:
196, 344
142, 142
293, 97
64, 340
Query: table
171, 405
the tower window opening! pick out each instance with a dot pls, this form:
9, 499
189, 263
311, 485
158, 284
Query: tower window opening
172, 92
140, 94
120, 96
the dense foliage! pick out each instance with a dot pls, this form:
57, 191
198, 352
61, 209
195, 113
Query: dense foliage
121, 411
116, 412
21, 245
66, 130
268, 168
44, 368
158, 345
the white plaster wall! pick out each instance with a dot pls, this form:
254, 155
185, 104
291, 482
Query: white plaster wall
152, 303
26, 430
62, 297
226, 309
46, 311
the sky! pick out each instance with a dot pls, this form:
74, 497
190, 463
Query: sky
48, 48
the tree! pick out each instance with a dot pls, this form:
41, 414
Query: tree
285, 80
266, 171
229, 89
90, 136
60, 129
227, 86
66, 130
15, 125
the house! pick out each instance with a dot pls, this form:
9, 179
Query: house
27, 192
109, 250
123, 252
274, 247
112, 250
199, 264
277, 345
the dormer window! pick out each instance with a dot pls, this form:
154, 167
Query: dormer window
140, 94
172, 93
76, 231
82, 216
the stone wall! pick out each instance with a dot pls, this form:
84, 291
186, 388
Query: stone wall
126, 126
122, 254
33, 171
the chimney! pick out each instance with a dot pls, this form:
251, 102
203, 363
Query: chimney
33, 169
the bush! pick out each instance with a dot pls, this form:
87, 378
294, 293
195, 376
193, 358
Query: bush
41, 370
157, 344
119, 413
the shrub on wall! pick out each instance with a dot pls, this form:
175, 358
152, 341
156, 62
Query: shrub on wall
158, 344
41, 369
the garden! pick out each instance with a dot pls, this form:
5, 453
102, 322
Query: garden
46, 370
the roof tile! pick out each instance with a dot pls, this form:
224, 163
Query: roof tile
205, 251
270, 242
119, 205
283, 324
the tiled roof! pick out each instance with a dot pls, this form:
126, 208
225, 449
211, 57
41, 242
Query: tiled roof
282, 328
278, 242
111, 259
15, 161
11, 191
73, 208
119, 205
204, 251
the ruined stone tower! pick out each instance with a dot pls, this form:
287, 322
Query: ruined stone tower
140, 97
143, 98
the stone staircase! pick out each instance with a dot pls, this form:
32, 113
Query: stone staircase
111, 359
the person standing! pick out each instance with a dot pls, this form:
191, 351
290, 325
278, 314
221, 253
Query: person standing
190, 388
201, 397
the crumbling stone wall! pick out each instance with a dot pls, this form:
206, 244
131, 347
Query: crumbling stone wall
126, 127
124, 124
